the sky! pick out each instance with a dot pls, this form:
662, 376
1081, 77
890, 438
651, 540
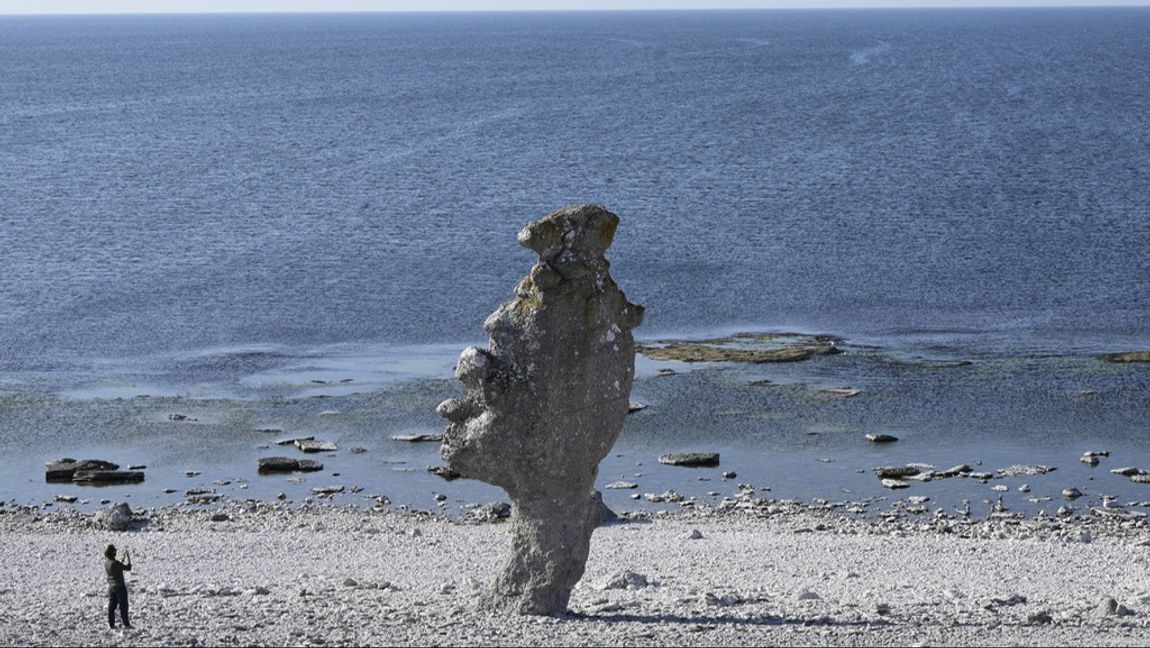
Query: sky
232, 6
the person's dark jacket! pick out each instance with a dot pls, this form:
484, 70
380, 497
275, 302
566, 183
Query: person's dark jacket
115, 570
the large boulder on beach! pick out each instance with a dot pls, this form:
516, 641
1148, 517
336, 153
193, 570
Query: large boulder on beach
544, 403
117, 517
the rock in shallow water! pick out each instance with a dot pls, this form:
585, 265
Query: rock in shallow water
690, 459
63, 470
288, 464
102, 477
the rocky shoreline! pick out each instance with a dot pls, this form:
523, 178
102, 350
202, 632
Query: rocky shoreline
274, 573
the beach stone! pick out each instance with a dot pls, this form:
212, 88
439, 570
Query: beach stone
626, 580
722, 600
881, 438
636, 407
118, 517
1140, 479
894, 484
219, 517
690, 459
807, 595
1108, 607
1127, 471
543, 404
1071, 493
1039, 618
1004, 601
491, 512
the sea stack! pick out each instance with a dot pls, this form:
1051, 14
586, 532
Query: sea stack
544, 403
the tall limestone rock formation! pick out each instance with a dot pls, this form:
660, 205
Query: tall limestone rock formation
544, 403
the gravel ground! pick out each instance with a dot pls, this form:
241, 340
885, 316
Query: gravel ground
277, 575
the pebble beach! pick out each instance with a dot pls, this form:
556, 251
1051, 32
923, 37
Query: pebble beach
257, 573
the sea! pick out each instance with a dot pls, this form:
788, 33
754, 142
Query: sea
212, 226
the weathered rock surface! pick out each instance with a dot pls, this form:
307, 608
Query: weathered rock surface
315, 445
117, 518
743, 347
63, 470
896, 472
881, 438
690, 459
444, 472
102, 477
288, 464
418, 438
543, 405
1130, 356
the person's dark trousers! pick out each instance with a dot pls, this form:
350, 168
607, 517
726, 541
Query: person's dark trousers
118, 597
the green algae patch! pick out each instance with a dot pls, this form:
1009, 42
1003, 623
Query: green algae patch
743, 347
1130, 356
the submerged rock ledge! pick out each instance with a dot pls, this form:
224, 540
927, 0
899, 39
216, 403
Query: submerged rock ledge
743, 347
1129, 356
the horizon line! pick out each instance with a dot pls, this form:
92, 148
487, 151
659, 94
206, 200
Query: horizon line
797, 7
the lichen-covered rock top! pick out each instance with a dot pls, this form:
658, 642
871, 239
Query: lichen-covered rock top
547, 398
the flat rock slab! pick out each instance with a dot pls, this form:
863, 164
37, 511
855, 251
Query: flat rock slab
98, 477
62, 470
1131, 356
690, 459
896, 472
418, 438
621, 485
327, 490
293, 440
288, 464
444, 472
316, 445
881, 438
845, 392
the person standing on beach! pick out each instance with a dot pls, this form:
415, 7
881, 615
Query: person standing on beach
117, 588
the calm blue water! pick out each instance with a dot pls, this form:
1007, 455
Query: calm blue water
223, 209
